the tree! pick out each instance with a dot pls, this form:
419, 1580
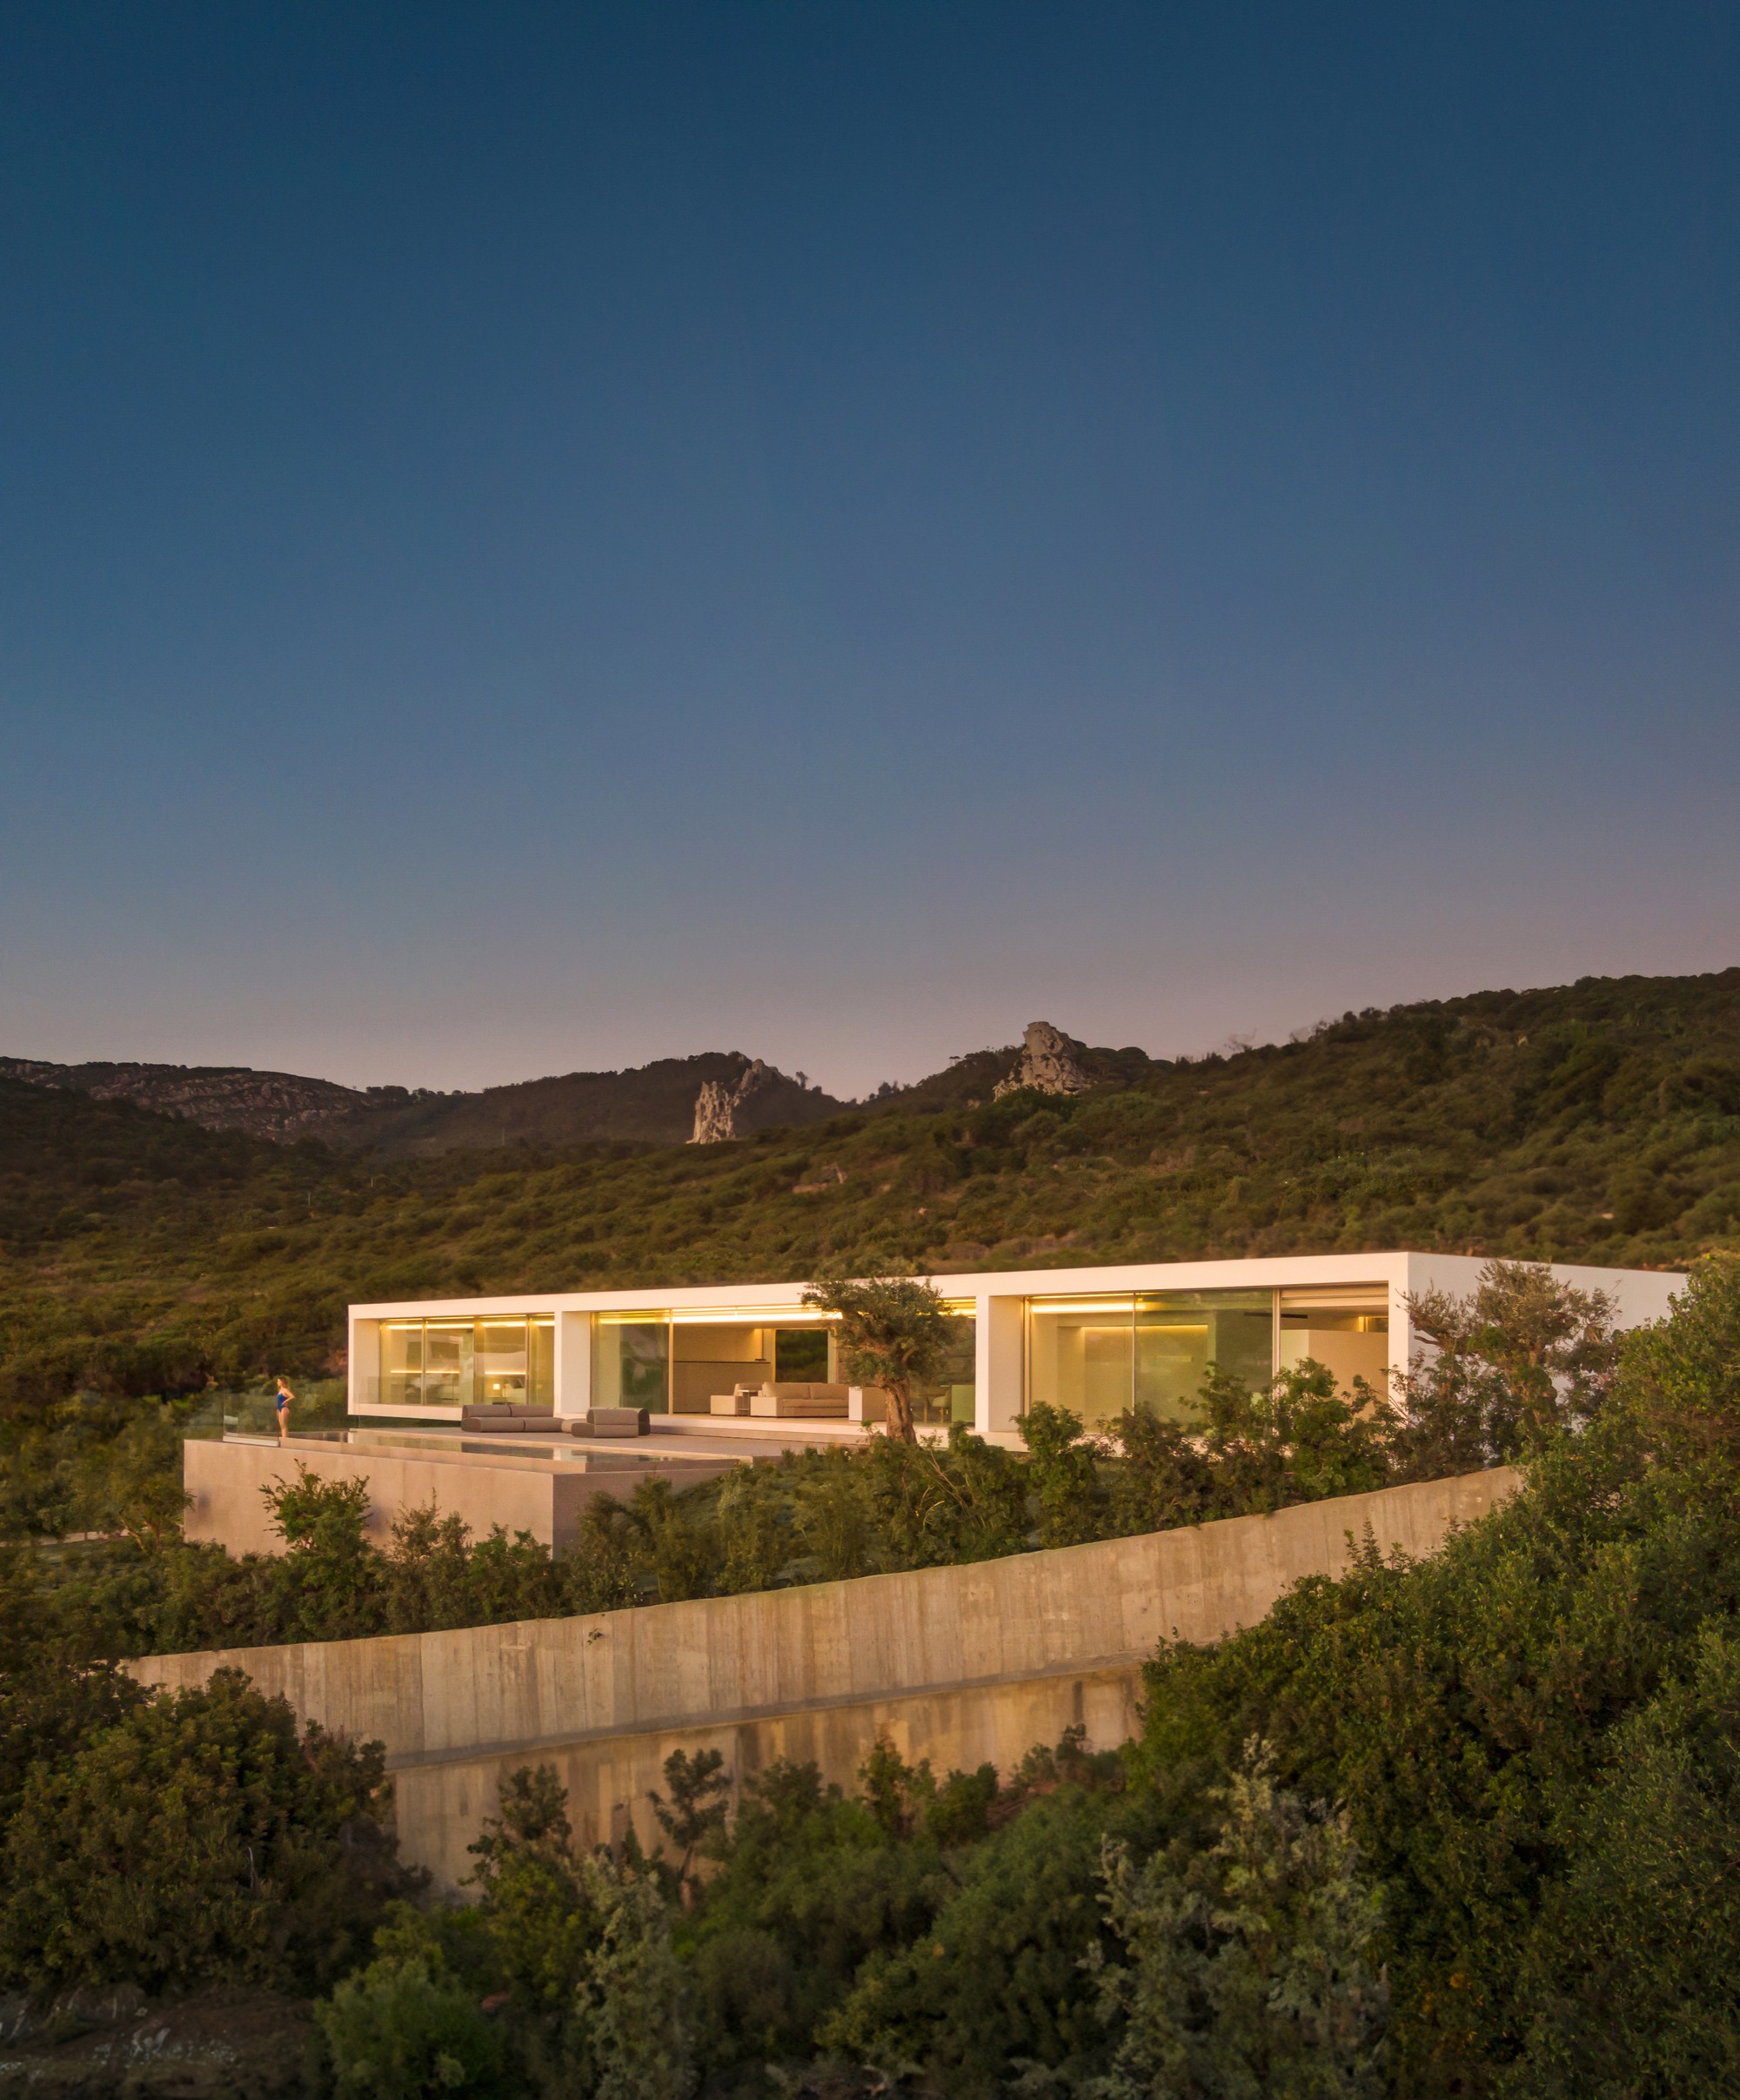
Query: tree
1068, 1500
1249, 1969
1683, 1378
404, 2030
1164, 1480
133, 1483
201, 1836
893, 1332
696, 1809
583, 1946
1525, 1355
1627, 1982
330, 1584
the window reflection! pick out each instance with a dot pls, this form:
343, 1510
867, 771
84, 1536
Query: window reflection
1079, 1356
1100, 1356
455, 1362
632, 1361
1181, 1335
950, 1396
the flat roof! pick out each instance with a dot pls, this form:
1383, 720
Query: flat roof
1401, 1269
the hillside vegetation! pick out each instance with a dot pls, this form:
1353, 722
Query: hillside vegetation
1598, 1123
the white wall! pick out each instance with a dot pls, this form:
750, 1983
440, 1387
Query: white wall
998, 1367
363, 1360
573, 1362
1346, 1352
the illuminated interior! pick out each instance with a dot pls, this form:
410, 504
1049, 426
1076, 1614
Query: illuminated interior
631, 1361
451, 1362
675, 1362
1346, 1331
1099, 1356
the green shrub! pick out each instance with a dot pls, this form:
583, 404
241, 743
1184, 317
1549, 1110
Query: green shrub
200, 1835
402, 2031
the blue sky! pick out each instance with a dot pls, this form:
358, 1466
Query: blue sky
541, 537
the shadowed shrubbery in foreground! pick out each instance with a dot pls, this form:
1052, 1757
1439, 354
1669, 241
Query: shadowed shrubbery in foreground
172, 1840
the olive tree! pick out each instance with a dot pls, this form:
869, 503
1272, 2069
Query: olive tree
893, 1332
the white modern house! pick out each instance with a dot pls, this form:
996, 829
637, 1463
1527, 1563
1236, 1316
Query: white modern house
1097, 1341
466, 1404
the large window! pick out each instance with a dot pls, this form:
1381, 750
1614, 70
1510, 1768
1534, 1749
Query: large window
1182, 1336
1079, 1356
712, 1352
1100, 1356
714, 1356
950, 1396
447, 1362
1345, 1330
632, 1361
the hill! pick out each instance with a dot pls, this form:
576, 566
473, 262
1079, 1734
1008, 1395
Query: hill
652, 1104
1596, 1122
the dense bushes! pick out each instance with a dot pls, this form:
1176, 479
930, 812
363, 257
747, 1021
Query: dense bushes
1532, 1737
172, 1840
78, 1604
570, 1949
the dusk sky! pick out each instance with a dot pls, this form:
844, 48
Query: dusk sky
540, 538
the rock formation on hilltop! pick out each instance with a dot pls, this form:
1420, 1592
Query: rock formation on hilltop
276, 1105
647, 1105
1049, 1063
717, 1104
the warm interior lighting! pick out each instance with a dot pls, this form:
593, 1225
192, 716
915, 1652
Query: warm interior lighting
748, 1316
1122, 1308
1335, 1298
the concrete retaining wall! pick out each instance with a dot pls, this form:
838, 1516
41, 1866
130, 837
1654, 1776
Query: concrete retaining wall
544, 1496
957, 1664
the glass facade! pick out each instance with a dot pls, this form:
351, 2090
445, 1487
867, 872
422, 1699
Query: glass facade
632, 1361
1181, 1335
951, 1396
800, 1355
1347, 1332
1079, 1356
716, 1357
456, 1363
710, 1356
1101, 1356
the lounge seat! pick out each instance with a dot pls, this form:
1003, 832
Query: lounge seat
611, 1421
734, 1402
509, 1418
799, 1402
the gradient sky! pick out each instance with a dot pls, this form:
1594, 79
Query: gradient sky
542, 538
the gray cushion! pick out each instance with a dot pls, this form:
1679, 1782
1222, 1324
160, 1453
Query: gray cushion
618, 1421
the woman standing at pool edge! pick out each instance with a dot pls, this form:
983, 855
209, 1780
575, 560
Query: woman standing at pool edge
284, 1397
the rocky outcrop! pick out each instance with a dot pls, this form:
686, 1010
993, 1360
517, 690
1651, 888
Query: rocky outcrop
647, 1105
276, 1105
717, 1105
1049, 1064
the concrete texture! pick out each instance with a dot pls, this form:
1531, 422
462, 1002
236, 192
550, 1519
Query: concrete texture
514, 1489
961, 1665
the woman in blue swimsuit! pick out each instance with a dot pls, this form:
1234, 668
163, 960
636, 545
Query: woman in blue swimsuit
284, 1397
